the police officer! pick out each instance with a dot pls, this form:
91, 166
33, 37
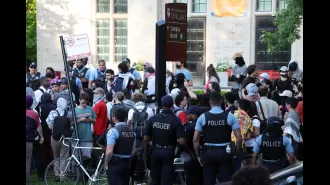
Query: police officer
98, 76
120, 148
217, 127
165, 129
194, 171
273, 145
81, 72
32, 77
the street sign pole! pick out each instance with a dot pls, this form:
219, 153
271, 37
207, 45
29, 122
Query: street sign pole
72, 102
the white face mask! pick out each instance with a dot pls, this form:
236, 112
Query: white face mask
283, 78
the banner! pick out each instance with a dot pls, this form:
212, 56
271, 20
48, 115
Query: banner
228, 8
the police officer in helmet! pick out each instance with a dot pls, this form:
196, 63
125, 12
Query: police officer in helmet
120, 148
217, 127
165, 130
273, 145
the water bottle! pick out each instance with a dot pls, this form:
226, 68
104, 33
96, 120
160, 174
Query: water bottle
228, 149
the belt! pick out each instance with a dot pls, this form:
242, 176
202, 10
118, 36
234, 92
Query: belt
163, 146
217, 144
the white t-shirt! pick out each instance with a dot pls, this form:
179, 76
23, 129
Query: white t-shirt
139, 108
109, 107
250, 142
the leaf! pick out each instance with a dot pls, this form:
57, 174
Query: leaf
31, 30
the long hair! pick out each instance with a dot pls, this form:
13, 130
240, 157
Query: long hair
211, 72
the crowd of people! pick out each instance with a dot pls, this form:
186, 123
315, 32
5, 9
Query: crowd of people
259, 121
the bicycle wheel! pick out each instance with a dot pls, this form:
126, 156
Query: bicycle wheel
69, 172
101, 177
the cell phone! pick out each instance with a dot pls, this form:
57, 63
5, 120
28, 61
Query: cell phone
87, 117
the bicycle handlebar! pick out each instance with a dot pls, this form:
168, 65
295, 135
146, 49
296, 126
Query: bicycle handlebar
68, 138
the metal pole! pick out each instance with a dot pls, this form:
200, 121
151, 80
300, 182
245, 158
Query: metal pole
72, 102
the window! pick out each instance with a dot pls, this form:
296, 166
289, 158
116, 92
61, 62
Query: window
264, 5
282, 4
195, 49
120, 6
103, 40
120, 40
265, 60
199, 6
103, 6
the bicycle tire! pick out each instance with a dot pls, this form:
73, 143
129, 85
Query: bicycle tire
102, 176
71, 170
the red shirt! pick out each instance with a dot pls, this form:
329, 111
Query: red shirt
34, 115
100, 125
300, 111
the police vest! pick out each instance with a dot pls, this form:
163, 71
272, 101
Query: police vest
81, 75
272, 147
100, 81
163, 130
125, 141
216, 130
34, 82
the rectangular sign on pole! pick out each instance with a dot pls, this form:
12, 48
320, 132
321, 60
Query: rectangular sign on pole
77, 46
176, 31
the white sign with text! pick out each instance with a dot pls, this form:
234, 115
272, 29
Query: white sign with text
77, 46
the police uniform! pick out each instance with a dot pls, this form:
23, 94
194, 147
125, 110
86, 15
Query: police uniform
80, 74
164, 128
123, 139
273, 146
217, 127
99, 77
33, 80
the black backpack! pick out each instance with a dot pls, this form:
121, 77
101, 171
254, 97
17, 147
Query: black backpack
263, 123
61, 126
138, 121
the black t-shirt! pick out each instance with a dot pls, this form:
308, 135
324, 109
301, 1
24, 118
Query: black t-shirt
102, 139
247, 81
190, 130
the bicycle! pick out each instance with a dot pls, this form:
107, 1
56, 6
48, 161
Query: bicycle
69, 172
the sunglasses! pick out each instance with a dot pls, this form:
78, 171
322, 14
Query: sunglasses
33, 67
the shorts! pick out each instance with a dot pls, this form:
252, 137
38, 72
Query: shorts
86, 152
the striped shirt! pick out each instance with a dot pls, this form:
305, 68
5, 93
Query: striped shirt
239, 71
270, 108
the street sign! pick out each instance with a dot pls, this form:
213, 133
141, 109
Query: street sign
176, 31
77, 46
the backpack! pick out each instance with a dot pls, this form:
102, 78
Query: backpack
138, 121
37, 108
263, 123
118, 83
61, 126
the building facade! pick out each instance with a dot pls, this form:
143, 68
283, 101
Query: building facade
126, 28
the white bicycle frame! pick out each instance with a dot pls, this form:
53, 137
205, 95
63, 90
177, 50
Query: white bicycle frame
75, 146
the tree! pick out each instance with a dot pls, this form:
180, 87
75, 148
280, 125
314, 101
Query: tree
31, 30
287, 21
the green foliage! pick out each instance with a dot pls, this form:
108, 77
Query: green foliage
222, 67
288, 22
31, 30
138, 66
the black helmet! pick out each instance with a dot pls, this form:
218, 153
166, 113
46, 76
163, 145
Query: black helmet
274, 125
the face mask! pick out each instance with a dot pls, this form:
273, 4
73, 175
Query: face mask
283, 78
177, 66
261, 80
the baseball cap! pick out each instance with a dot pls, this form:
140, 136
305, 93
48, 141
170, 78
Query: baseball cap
265, 75
252, 88
120, 95
194, 110
64, 80
284, 68
99, 90
167, 101
273, 120
150, 70
33, 64
127, 60
286, 93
